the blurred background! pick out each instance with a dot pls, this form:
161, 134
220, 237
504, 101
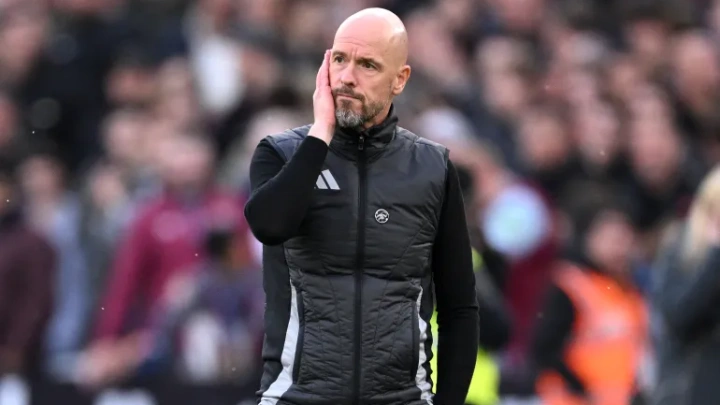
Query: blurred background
127, 273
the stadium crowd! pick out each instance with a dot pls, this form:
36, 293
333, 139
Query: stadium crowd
126, 129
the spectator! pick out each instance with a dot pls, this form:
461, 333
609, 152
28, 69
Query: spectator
217, 314
563, 96
164, 240
27, 269
588, 343
54, 211
685, 296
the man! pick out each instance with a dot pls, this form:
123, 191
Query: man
362, 222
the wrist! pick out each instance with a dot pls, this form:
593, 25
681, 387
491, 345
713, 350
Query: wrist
322, 131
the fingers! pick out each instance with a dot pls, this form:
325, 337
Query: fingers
323, 77
325, 68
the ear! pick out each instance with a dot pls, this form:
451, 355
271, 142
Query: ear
401, 80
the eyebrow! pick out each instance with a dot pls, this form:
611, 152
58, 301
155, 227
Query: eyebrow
360, 59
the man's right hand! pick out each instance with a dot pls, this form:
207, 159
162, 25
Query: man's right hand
323, 104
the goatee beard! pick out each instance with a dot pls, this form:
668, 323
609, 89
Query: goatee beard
348, 119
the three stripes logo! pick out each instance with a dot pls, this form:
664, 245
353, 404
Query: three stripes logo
326, 181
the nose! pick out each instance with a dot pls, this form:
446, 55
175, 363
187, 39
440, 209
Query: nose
347, 76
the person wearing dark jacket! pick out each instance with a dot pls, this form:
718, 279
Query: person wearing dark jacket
590, 335
27, 272
686, 295
363, 228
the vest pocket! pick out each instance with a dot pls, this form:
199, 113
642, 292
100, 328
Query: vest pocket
301, 337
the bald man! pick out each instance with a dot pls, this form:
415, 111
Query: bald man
364, 232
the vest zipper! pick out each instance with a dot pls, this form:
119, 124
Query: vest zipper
360, 253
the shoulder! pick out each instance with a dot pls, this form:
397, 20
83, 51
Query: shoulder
287, 142
427, 151
409, 137
30, 240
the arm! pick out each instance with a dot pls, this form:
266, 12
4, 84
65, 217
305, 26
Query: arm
457, 306
688, 298
551, 334
35, 306
126, 278
282, 192
495, 325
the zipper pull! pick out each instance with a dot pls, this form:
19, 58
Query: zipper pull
361, 142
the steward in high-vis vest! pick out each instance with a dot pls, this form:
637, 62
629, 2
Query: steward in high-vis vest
494, 334
591, 335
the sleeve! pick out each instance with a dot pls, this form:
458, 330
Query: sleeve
457, 308
688, 298
495, 324
551, 334
36, 304
128, 268
281, 192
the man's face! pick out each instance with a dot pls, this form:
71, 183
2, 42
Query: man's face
610, 243
363, 74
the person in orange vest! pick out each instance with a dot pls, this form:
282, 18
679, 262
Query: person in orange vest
590, 337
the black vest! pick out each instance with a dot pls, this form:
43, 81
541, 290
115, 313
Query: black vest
355, 329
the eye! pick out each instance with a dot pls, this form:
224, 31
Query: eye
368, 65
338, 58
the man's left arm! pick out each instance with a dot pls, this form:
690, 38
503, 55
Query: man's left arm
456, 299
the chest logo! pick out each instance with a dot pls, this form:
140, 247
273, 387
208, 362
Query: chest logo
382, 216
326, 181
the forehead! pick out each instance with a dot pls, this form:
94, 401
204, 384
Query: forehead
362, 43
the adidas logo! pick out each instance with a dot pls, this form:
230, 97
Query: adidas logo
326, 181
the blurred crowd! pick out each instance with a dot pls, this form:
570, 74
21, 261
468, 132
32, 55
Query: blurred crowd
126, 129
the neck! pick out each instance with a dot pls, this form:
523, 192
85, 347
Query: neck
379, 119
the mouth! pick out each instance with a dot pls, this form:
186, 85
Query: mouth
348, 96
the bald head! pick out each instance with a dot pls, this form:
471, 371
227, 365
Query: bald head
368, 66
379, 28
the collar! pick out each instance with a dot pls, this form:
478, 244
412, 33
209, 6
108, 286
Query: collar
374, 139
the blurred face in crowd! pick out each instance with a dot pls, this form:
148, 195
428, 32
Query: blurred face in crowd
648, 102
106, 187
368, 67
122, 137
260, 68
458, 14
581, 87
129, 84
610, 243
655, 152
41, 176
433, 40
597, 133
499, 54
259, 13
187, 162
520, 15
22, 34
648, 39
695, 63
623, 75
543, 140
177, 100
499, 62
